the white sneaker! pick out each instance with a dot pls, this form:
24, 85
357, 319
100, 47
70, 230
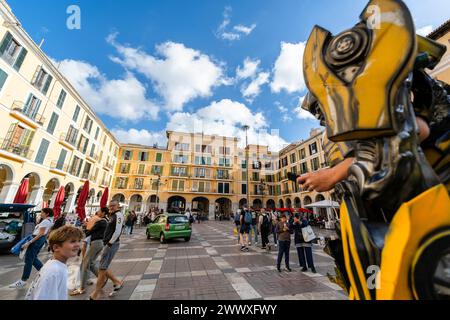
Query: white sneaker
18, 284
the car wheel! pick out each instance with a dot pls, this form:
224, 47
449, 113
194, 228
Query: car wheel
162, 238
187, 239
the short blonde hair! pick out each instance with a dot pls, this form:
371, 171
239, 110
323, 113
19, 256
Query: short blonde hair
61, 235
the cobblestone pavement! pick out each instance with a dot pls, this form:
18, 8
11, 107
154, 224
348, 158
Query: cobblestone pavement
210, 267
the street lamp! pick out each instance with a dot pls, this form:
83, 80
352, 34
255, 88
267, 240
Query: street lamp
245, 128
158, 183
262, 188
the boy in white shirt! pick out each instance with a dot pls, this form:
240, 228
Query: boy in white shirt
51, 282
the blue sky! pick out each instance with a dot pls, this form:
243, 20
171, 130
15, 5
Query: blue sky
149, 66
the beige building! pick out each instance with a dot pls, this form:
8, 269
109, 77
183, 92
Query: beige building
442, 35
48, 133
208, 173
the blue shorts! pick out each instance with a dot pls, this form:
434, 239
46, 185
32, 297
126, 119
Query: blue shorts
245, 228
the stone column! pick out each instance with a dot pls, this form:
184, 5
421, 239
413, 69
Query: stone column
36, 197
212, 208
8, 192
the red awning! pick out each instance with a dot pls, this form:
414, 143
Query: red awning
22, 192
82, 199
105, 196
293, 210
58, 202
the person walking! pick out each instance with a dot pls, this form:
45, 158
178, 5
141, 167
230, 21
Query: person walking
304, 249
95, 233
237, 223
245, 222
51, 281
254, 227
128, 223
111, 242
133, 221
33, 247
274, 227
264, 226
284, 243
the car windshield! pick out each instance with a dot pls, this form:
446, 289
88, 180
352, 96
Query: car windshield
178, 220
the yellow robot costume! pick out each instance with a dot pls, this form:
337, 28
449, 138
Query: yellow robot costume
395, 208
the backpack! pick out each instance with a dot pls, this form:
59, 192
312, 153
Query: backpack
248, 217
237, 218
265, 223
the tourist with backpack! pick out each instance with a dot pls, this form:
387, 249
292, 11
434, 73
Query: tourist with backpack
246, 221
264, 225
254, 227
237, 222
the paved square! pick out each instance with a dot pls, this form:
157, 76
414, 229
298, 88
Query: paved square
209, 267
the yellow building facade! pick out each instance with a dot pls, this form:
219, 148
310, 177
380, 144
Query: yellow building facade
48, 133
442, 35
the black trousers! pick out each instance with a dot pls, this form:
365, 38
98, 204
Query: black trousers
264, 236
302, 252
283, 249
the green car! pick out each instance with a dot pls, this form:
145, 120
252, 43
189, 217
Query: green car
169, 226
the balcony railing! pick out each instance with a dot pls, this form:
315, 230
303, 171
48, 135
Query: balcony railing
55, 165
8, 58
16, 148
30, 113
69, 139
179, 174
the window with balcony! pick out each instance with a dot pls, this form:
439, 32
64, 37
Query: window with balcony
12, 52
284, 162
202, 173
201, 186
61, 99
157, 170
201, 148
18, 141
88, 124
181, 146
244, 176
178, 158
178, 185
42, 80
127, 155
224, 162
255, 176
139, 183
313, 148
141, 169
302, 154
92, 152
71, 136
86, 171
244, 164
203, 161
75, 168
121, 183
256, 165
223, 187
83, 144
223, 174
179, 171
224, 151
31, 108
124, 168
303, 167
61, 159
143, 156
315, 164
292, 158
268, 166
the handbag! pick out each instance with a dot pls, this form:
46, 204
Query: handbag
308, 234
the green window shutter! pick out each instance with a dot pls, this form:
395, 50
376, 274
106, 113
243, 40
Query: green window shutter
61, 159
40, 157
6, 40
158, 157
61, 99
3, 77
47, 84
20, 59
76, 113
52, 124
79, 168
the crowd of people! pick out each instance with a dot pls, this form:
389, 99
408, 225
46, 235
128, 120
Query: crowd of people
250, 223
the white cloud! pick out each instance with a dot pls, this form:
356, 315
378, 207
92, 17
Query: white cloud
301, 113
123, 98
288, 69
236, 32
179, 74
143, 137
253, 89
243, 29
424, 31
284, 112
248, 70
226, 118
